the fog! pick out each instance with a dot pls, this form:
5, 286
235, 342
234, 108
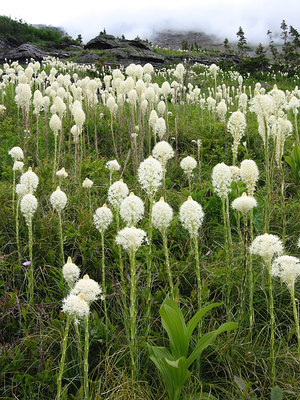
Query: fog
134, 18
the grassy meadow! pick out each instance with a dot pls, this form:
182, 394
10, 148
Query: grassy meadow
123, 335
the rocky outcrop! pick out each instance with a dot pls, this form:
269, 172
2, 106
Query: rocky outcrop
121, 51
24, 52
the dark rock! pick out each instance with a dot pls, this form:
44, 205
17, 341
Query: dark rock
103, 42
140, 44
4, 45
23, 53
88, 58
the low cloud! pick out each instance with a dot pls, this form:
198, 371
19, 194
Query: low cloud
217, 17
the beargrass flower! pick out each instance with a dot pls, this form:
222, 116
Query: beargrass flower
132, 209
70, 272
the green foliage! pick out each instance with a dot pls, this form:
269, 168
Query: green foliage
19, 32
293, 161
174, 364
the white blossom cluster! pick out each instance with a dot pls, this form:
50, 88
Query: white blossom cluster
102, 218
162, 215
70, 272
266, 246
249, 174
30, 180
132, 209
28, 206
191, 216
117, 192
16, 153
188, 164
18, 166
221, 179
21, 190
87, 183
58, 199
287, 268
163, 152
55, 124
89, 288
235, 173
131, 238
75, 306
62, 173
150, 175
113, 165
244, 203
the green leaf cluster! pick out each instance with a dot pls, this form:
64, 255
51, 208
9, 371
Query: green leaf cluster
174, 364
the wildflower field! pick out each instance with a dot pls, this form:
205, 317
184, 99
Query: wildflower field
149, 233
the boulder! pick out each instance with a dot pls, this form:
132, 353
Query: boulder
103, 42
88, 58
24, 52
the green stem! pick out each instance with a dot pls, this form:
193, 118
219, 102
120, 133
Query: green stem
296, 128
296, 318
104, 286
30, 278
272, 353
79, 347
251, 316
14, 191
244, 280
63, 356
226, 256
61, 239
165, 243
55, 155
123, 285
148, 273
133, 316
17, 230
198, 275
268, 181
190, 185
90, 201
283, 205
86, 360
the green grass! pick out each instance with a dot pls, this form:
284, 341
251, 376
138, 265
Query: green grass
30, 337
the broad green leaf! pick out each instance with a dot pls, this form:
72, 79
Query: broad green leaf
208, 339
173, 322
276, 393
240, 383
197, 317
179, 373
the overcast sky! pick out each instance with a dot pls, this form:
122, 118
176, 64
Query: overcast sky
138, 18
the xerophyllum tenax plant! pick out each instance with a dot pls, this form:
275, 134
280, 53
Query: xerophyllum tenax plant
221, 180
117, 192
58, 200
131, 239
103, 217
150, 175
55, 126
174, 364
161, 218
87, 184
244, 204
287, 268
188, 164
267, 246
91, 291
191, 216
28, 208
17, 155
163, 152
